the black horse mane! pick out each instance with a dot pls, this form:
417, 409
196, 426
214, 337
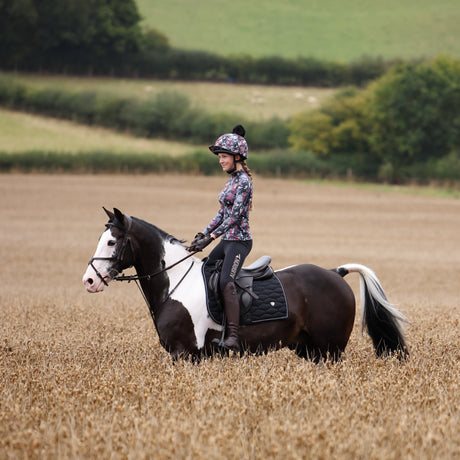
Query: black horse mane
164, 235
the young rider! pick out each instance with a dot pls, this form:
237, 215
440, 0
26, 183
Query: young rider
231, 224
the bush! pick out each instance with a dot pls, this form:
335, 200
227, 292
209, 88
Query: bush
448, 167
158, 117
339, 126
47, 102
415, 112
407, 119
12, 94
113, 112
276, 163
271, 134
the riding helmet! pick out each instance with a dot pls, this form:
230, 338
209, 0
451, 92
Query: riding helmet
232, 143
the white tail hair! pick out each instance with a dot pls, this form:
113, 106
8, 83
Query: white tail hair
369, 279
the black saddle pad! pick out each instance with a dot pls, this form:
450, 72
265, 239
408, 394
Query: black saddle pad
271, 304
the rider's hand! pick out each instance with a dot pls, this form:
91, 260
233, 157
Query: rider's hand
200, 242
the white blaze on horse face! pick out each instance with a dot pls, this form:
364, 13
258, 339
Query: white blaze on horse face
105, 249
190, 291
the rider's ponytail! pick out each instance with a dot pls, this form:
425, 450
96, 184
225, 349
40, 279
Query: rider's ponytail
248, 172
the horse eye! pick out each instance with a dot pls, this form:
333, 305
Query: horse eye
111, 243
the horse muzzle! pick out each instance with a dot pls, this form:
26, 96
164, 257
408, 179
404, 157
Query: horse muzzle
93, 280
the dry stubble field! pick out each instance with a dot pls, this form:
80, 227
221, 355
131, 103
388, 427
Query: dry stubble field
83, 376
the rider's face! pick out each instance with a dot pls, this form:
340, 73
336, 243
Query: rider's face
226, 161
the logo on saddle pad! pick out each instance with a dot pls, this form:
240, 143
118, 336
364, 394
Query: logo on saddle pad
261, 293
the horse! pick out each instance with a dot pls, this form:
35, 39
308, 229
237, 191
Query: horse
321, 303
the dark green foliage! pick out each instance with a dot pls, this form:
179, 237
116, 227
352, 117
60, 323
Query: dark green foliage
267, 135
415, 112
104, 37
405, 124
68, 35
340, 126
280, 163
12, 94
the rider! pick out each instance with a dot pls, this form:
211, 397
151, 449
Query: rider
232, 224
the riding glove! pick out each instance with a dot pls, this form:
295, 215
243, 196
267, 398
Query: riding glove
199, 236
200, 242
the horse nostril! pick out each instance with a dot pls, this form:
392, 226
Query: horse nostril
90, 281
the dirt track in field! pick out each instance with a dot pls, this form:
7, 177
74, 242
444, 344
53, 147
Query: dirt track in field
84, 375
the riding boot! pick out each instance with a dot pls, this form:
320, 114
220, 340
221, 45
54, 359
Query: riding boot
232, 312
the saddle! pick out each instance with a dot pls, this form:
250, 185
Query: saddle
259, 290
244, 281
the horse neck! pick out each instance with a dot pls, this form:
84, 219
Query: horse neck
157, 251
149, 250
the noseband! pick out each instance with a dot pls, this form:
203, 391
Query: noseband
118, 257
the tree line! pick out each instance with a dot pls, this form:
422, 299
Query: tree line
105, 37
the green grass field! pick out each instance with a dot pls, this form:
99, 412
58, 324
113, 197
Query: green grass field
20, 132
327, 29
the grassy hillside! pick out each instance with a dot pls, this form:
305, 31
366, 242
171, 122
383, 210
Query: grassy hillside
20, 132
255, 102
331, 29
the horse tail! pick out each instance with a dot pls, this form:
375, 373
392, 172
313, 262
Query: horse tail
384, 323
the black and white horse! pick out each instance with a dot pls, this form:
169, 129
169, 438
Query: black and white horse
321, 304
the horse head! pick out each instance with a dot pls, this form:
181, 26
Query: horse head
114, 252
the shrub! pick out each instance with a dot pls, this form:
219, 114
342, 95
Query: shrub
339, 126
112, 111
448, 167
270, 134
405, 119
12, 94
415, 112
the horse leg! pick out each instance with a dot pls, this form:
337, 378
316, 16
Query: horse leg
305, 348
176, 331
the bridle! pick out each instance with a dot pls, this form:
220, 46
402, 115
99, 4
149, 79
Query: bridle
120, 257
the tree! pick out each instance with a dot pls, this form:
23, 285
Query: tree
57, 35
415, 112
339, 126
18, 23
408, 117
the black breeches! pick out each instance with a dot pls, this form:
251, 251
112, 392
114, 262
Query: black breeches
233, 253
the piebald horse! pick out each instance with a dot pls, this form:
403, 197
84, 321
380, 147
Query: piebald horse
321, 304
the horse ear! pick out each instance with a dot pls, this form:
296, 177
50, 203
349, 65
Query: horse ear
119, 215
109, 214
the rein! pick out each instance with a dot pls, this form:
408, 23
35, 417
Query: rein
136, 278
130, 278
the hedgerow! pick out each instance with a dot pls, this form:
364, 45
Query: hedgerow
169, 115
277, 163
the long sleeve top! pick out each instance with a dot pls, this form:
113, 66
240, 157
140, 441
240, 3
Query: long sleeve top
232, 220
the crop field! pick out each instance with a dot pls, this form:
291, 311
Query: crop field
84, 376
331, 29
